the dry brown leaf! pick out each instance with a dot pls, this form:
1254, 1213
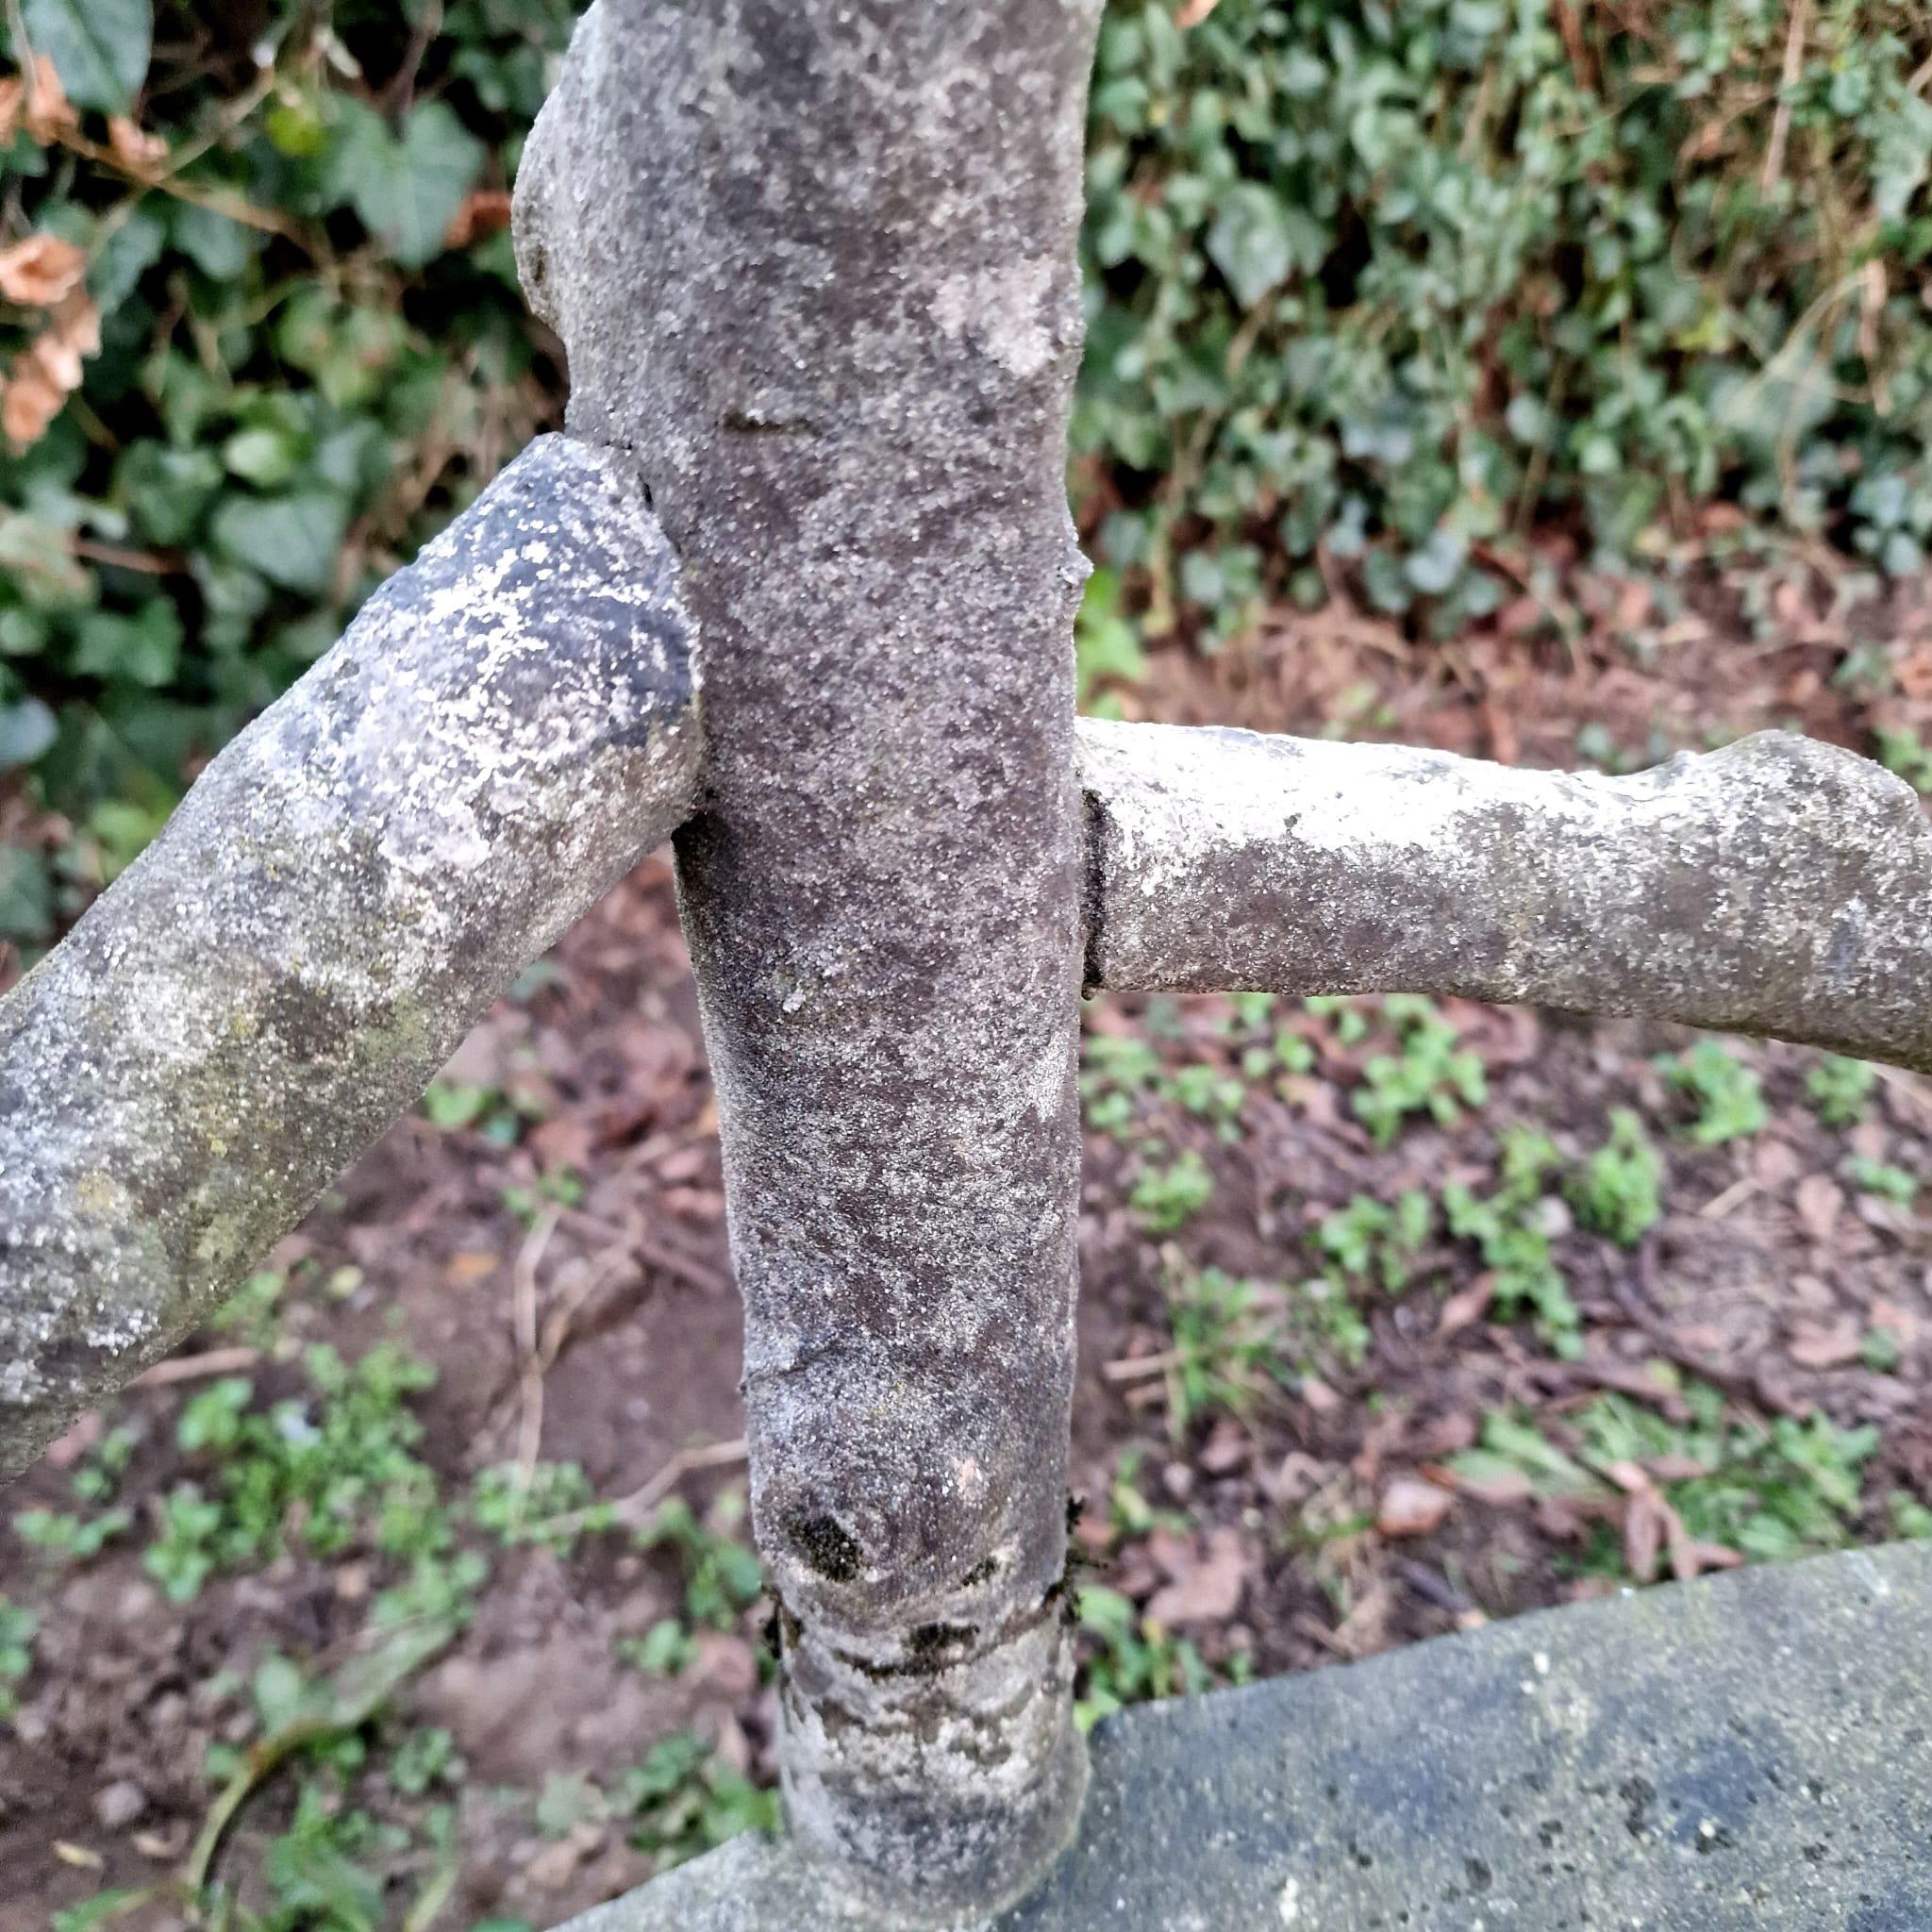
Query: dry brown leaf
484, 212
1646, 1520
1896, 1320
1446, 1436
49, 370
1227, 1449
38, 101
28, 405
564, 1140
1207, 1583
724, 1663
1320, 1397
1818, 1200
1712, 1557
1194, 11
1817, 1345
1631, 1477
1565, 1518
1460, 1311
138, 151
1411, 1507
1499, 1491
41, 271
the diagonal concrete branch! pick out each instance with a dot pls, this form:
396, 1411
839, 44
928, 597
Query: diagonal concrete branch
505, 730
1779, 886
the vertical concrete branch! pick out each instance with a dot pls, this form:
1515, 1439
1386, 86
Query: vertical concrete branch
814, 263
505, 730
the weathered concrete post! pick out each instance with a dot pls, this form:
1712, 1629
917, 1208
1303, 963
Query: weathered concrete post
814, 262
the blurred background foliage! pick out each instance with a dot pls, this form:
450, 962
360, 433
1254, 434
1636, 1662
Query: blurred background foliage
1375, 291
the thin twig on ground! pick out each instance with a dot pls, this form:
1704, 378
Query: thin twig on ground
632, 1511
1781, 121
196, 1368
531, 1365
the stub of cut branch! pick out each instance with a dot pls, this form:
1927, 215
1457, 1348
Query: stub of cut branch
1779, 886
505, 730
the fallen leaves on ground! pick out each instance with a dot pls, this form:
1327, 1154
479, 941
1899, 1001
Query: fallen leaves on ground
1206, 1576
1817, 1201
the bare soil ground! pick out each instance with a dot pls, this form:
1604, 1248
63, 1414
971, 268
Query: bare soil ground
1292, 1446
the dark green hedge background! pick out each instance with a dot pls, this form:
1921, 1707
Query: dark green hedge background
1389, 284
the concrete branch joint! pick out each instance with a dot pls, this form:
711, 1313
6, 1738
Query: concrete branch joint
814, 264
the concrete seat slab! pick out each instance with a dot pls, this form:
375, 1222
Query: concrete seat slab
1750, 1751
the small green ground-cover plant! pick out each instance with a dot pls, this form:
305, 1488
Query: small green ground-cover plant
1769, 1492
370, 1839
1430, 1073
1378, 1241
1879, 1178
1126, 1658
1511, 1227
1727, 1096
1840, 1088
327, 1461
1167, 1192
18, 1629
1238, 1342
1618, 1193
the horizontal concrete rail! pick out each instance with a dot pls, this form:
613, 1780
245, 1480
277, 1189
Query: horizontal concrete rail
505, 730
1745, 1753
1779, 886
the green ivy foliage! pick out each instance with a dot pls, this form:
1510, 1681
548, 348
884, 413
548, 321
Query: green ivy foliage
1373, 286
1391, 281
313, 353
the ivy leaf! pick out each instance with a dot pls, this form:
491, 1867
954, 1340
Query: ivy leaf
100, 47
293, 540
217, 244
26, 897
407, 193
1437, 565
1257, 239
26, 730
144, 649
167, 490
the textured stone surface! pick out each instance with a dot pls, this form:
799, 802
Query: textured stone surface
505, 730
1779, 886
1747, 1754
814, 262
